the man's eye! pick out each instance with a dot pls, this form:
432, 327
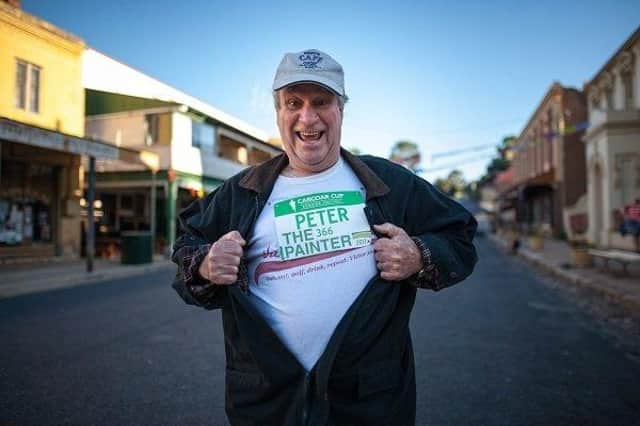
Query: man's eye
292, 103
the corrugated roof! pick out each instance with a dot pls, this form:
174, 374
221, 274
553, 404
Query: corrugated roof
102, 73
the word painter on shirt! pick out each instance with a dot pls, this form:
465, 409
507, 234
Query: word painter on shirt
321, 223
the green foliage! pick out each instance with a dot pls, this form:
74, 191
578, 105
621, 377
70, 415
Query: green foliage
406, 153
453, 185
500, 163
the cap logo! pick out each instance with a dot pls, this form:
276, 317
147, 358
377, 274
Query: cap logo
310, 60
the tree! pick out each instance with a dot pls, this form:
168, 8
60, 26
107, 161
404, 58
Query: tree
406, 153
502, 161
453, 185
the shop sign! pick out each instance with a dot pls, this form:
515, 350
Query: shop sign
34, 136
17, 132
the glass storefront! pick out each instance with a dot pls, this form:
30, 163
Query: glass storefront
26, 194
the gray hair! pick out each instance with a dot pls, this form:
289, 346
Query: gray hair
342, 100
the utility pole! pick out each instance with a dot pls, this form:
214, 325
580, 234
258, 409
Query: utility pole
91, 230
152, 213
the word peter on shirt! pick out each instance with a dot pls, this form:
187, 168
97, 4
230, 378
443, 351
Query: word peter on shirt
320, 223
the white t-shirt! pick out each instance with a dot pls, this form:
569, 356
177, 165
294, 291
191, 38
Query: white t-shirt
317, 223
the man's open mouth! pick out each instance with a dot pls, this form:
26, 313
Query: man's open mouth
309, 136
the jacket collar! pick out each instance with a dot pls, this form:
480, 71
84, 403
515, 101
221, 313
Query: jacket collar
261, 178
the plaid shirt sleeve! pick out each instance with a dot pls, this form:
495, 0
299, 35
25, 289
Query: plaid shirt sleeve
429, 276
191, 260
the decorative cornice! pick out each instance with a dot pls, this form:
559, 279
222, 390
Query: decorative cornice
631, 43
595, 94
40, 28
605, 82
625, 62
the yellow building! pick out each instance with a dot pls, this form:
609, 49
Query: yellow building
42, 140
41, 69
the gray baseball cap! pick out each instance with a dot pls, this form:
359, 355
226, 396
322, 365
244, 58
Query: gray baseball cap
310, 66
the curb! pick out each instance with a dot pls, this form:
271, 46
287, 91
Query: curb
628, 303
81, 279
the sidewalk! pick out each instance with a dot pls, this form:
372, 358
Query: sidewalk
555, 257
19, 279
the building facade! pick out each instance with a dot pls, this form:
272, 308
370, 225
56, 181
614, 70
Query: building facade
198, 146
41, 101
42, 141
549, 163
613, 143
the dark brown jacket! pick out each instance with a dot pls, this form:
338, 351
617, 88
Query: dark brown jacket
366, 374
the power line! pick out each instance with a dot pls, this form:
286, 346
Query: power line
476, 128
462, 150
455, 165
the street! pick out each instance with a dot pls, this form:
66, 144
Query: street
500, 348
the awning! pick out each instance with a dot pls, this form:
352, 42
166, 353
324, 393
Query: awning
14, 131
17, 132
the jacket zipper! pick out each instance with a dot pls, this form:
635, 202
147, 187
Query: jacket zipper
305, 396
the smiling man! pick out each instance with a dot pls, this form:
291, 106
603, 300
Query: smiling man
314, 258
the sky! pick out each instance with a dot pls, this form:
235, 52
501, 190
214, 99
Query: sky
446, 75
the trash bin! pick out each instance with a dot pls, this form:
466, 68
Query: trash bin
136, 247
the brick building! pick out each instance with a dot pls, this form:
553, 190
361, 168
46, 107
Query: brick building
549, 161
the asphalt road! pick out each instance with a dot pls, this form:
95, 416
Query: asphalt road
501, 348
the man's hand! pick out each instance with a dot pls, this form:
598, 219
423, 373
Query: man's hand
221, 264
397, 256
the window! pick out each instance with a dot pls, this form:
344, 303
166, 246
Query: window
232, 150
202, 135
608, 95
153, 129
158, 129
126, 202
27, 86
626, 171
627, 82
140, 204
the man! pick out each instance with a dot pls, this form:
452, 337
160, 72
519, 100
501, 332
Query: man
315, 305
631, 223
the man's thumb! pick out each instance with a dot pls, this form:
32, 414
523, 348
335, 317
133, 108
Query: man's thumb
388, 229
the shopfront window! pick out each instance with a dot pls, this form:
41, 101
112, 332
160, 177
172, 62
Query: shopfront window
25, 203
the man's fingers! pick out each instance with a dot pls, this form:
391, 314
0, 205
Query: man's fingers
227, 247
386, 257
233, 236
225, 259
224, 279
223, 274
381, 244
390, 276
226, 270
388, 229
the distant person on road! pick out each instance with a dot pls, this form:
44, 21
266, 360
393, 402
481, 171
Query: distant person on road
314, 258
631, 222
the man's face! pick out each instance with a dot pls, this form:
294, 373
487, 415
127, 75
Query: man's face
310, 123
